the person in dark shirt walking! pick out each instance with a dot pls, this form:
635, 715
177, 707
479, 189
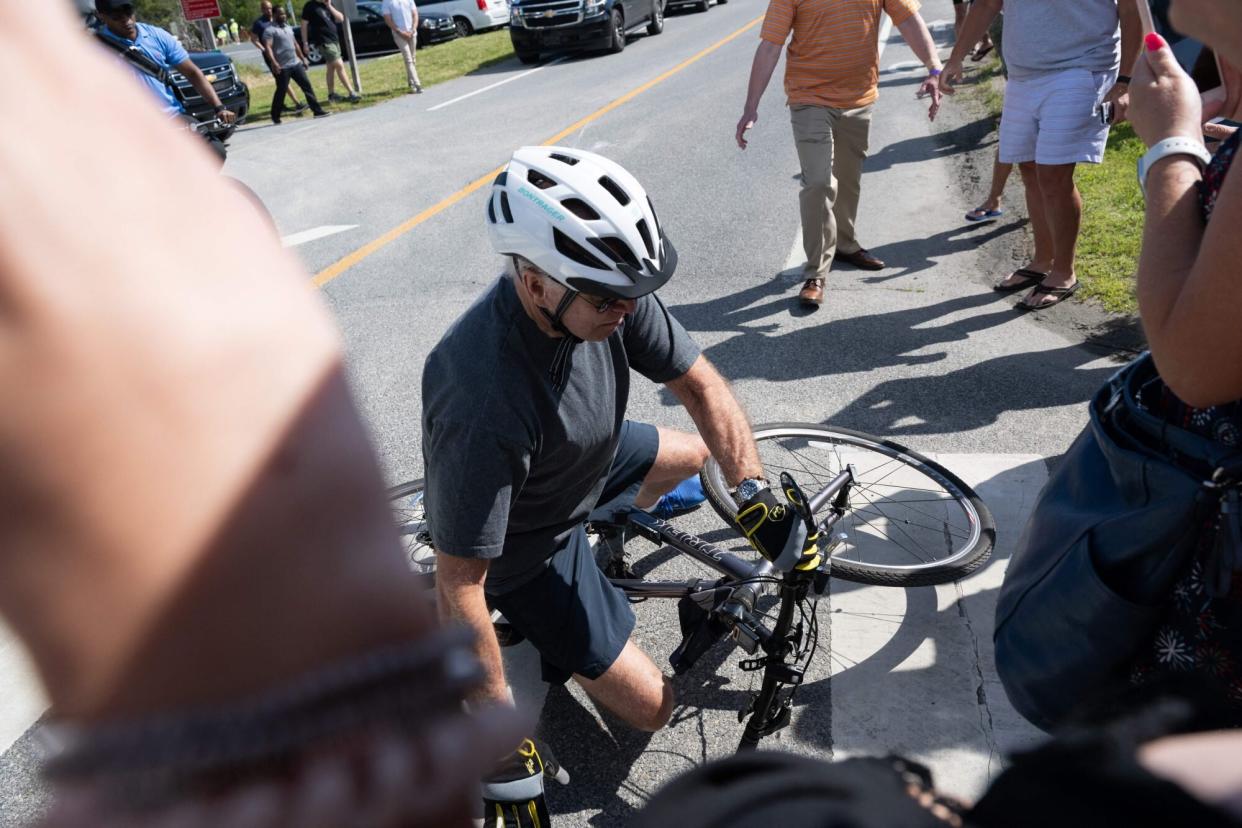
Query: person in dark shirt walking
319, 26
257, 28
285, 53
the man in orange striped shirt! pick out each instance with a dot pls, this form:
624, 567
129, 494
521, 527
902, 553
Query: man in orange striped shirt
832, 70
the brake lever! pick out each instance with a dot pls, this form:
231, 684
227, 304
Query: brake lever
798, 500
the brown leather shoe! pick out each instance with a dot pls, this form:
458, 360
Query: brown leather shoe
862, 259
812, 293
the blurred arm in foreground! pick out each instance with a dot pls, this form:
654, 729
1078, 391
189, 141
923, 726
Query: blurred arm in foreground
191, 516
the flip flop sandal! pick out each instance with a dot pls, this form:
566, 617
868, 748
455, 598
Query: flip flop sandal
980, 214
1058, 295
1030, 278
980, 54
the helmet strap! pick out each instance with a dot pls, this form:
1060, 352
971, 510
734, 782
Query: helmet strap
558, 371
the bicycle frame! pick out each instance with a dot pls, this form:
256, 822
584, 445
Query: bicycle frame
729, 604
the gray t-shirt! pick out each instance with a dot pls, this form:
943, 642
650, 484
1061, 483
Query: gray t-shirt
512, 464
1054, 35
281, 39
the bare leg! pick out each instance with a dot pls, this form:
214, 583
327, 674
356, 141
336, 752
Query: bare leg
634, 689
1042, 260
680, 455
1063, 214
339, 67
1000, 177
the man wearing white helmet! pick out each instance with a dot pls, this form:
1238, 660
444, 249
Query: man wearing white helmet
525, 436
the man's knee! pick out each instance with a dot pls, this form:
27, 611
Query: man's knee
681, 453
665, 710
655, 713
1055, 177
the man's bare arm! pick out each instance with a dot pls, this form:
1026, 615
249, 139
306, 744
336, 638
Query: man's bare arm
720, 419
766, 57
459, 589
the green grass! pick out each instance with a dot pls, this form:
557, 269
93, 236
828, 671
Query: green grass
1112, 223
1112, 206
384, 78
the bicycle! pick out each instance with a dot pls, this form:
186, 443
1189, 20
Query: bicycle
892, 517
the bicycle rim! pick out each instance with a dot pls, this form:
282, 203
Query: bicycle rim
406, 502
909, 522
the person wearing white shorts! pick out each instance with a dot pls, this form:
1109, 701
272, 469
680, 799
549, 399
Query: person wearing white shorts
1063, 58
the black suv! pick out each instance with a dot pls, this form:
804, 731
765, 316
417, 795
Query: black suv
221, 74
578, 25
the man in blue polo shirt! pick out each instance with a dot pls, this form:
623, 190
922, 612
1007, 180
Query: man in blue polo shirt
122, 27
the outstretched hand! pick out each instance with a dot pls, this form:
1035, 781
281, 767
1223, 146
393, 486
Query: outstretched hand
950, 74
930, 87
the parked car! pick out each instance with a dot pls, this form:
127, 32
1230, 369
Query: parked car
578, 25
470, 15
222, 75
373, 37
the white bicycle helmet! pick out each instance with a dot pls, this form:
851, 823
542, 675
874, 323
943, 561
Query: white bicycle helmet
583, 220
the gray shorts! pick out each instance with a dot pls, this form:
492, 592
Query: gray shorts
577, 620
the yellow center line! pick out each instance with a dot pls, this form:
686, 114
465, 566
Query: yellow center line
340, 266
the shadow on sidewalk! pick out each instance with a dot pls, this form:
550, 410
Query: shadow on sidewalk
963, 139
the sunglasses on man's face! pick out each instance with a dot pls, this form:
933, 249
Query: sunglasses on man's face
600, 305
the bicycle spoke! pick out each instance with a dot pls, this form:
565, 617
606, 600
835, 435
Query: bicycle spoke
894, 541
903, 531
960, 534
931, 517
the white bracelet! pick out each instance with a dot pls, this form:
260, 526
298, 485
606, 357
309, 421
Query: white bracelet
1176, 145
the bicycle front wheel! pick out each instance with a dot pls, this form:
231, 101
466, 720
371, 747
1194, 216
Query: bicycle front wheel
909, 520
406, 502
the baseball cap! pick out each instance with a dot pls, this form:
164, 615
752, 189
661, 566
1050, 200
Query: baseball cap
113, 5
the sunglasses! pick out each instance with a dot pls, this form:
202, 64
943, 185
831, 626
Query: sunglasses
600, 305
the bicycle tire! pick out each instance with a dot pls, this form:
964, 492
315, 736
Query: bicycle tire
406, 502
957, 515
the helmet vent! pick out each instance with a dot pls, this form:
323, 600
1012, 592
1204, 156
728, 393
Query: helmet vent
573, 251
646, 234
504, 207
614, 188
654, 216
580, 209
491, 210
539, 179
617, 250
564, 159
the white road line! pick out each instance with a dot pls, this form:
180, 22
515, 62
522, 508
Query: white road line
315, 233
797, 257
497, 83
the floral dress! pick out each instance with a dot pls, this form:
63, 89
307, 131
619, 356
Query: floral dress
1200, 634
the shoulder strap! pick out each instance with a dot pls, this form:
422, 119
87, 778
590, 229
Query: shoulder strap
137, 58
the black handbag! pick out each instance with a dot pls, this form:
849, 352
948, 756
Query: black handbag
1119, 521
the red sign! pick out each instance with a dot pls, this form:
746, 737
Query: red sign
200, 9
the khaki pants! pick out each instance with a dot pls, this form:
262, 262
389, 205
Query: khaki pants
407, 48
832, 144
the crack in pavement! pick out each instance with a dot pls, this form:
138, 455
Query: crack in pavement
981, 694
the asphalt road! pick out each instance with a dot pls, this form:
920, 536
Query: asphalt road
379, 205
